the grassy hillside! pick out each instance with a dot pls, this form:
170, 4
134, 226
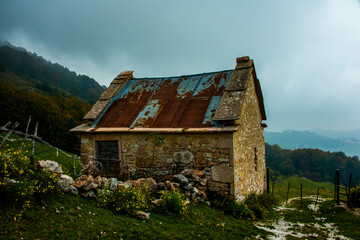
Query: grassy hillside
70, 163
313, 164
65, 216
309, 188
73, 217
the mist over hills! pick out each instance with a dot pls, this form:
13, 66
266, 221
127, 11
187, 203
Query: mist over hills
36, 73
351, 134
327, 140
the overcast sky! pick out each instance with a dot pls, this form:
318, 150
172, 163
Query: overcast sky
306, 53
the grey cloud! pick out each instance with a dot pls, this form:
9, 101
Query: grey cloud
306, 52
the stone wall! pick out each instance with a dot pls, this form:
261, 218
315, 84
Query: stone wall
249, 148
141, 157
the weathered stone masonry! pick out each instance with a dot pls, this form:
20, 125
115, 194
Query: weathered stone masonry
207, 152
249, 148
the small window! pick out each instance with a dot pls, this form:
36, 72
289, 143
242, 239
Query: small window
255, 159
108, 150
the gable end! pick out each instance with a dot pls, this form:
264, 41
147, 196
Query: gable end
116, 85
230, 104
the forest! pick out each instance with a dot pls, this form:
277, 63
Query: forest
313, 164
49, 75
56, 115
51, 94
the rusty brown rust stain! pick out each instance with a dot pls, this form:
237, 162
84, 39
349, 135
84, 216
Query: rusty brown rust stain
170, 114
166, 89
194, 114
112, 113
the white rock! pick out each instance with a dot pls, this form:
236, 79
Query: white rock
65, 183
51, 166
112, 183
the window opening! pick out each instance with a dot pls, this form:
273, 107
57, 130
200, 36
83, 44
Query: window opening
108, 156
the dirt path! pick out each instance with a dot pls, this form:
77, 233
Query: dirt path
318, 228
354, 211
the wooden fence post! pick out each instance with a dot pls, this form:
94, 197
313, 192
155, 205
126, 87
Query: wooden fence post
272, 189
300, 195
287, 195
33, 142
27, 127
26, 133
317, 197
16, 124
350, 182
268, 180
337, 185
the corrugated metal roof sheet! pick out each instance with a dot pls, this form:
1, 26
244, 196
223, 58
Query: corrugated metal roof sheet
186, 102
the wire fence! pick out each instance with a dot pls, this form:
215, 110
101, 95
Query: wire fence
10, 129
287, 190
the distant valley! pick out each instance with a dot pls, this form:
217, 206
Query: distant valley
326, 140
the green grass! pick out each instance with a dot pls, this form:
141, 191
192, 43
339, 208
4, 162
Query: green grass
309, 188
44, 152
73, 217
347, 223
65, 216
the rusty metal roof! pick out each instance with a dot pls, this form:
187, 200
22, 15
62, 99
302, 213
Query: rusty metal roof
174, 102
208, 102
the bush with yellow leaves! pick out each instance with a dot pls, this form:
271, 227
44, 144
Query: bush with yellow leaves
174, 201
126, 200
21, 183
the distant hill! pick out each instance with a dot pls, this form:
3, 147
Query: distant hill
291, 139
56, 114
27, 71
351, 134
53, 95
313, 164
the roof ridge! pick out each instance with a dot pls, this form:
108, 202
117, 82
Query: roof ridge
190, 75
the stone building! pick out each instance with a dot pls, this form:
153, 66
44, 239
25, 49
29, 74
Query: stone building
157, 127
